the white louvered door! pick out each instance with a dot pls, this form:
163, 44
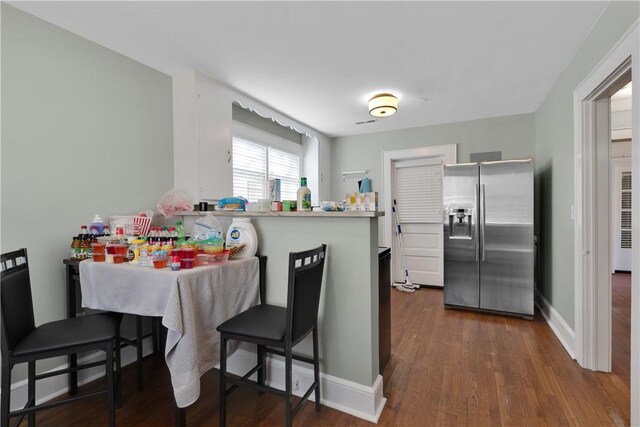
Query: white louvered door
622, 217
418, 193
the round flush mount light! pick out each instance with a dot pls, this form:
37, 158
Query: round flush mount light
383, 105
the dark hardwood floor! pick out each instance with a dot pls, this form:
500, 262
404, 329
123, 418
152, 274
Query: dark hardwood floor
621, 326
448, 368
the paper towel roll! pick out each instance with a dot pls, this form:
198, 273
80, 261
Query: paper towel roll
365, 185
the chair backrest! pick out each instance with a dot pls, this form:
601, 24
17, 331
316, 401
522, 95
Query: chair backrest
15, 299
305, 283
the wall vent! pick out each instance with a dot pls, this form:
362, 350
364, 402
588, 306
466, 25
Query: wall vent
364, 122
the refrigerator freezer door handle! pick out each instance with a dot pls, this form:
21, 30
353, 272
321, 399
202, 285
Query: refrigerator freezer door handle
482, 218
476, 189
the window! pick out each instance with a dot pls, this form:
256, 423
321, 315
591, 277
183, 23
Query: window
258, 156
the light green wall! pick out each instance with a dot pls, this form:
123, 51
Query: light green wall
554, 159
348, 315
513, 135
84, 131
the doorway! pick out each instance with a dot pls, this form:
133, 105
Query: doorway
592, 257
620, 162
436, 154
417, 190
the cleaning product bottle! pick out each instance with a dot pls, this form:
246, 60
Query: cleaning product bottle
241, 233
304, 196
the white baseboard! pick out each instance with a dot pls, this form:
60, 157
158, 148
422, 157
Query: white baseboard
352, 398
558, 325
361, 401
50, 388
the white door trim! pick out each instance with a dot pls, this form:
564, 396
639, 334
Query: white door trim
447, 153
587, 308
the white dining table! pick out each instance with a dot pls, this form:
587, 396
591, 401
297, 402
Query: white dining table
192, 303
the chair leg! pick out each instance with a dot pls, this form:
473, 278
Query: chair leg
139, 353
155, 333
31, 391
110, 385
288, 386
223, 385
5, 395
118, 359
316, 366
261, 362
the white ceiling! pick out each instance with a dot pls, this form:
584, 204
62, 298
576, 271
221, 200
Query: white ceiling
318, 61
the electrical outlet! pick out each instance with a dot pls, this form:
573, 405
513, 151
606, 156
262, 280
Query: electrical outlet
296, 383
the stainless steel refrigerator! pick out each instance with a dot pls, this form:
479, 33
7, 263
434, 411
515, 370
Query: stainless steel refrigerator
488, 236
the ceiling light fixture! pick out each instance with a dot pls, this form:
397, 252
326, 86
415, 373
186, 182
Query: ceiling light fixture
383, 105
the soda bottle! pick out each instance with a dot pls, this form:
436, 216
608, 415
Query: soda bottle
180, 231
173, 236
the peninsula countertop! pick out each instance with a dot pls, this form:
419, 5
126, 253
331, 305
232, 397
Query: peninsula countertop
297, 214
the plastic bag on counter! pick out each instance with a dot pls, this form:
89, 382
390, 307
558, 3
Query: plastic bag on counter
232, 203
174, 201
206, 228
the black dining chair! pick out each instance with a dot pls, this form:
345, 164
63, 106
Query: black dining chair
277, 330
23, 342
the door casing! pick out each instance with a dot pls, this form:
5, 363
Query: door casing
592, 313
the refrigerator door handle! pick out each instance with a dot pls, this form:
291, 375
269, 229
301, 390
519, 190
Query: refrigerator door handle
476, 189
482, 218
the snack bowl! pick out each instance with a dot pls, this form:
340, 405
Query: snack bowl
209, 259
190, 244
214, 246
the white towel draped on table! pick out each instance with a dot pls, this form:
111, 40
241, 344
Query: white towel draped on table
192, 303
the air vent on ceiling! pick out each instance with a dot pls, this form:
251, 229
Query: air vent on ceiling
364, 122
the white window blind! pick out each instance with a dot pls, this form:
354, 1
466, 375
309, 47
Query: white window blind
419, 192
625, 211
255, 162
286, 167
249, 169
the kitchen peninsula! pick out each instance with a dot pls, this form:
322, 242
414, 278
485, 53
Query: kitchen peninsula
348, 316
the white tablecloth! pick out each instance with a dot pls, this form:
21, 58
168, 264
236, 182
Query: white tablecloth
192, 303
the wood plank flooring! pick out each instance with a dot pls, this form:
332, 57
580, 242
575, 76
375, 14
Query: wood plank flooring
621, 325
448, 368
